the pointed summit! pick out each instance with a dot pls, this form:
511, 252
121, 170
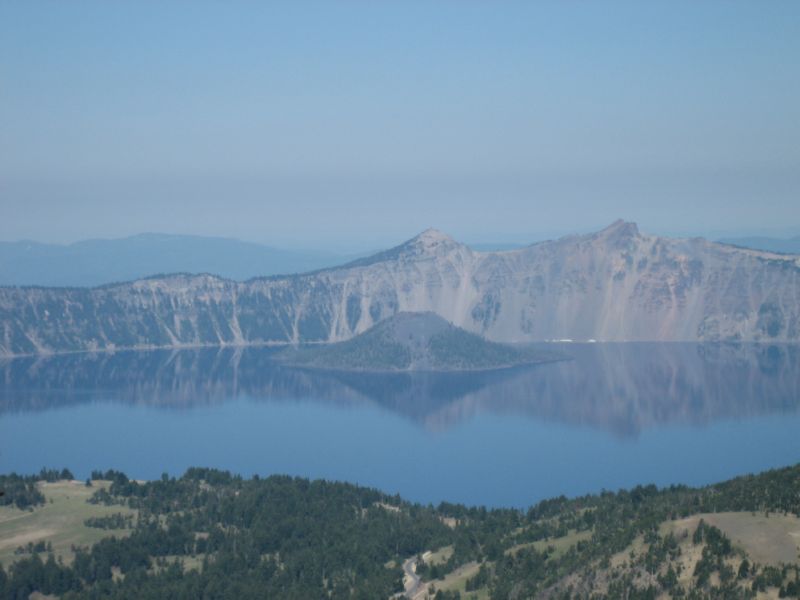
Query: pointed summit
431, 241
621, 227
432, 236
619, 233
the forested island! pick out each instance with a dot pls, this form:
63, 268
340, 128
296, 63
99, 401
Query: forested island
212, 534
411, 341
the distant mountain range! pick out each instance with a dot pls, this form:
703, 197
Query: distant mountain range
784, 246
90, 263
614, 285
98, 262
421, 341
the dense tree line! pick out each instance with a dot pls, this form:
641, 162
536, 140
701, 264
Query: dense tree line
293, 538
21, 490
115, 521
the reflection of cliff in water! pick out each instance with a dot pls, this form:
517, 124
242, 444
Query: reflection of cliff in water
178, 379
623, 388
626, 388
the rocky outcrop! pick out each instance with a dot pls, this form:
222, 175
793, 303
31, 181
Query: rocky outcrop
614, 285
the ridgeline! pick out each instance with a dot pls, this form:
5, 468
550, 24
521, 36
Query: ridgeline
211, 534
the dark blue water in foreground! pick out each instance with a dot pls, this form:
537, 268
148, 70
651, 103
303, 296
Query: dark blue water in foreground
613, 416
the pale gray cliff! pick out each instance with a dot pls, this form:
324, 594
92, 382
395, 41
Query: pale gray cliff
614, 285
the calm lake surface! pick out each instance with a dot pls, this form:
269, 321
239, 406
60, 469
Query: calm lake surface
614, 415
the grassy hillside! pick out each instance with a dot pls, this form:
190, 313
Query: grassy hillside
214, 535
60, 523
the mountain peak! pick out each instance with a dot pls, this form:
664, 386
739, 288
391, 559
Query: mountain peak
432, 236
431, 241
620, 226
620, 231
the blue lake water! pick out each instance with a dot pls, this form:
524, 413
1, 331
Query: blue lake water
614, 415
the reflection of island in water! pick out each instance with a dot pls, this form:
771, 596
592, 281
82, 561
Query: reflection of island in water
623, 388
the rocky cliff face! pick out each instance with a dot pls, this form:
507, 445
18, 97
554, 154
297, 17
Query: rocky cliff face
614, 285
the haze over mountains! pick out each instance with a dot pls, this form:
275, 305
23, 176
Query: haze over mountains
614, 285
98, 262
782, 245
95, 262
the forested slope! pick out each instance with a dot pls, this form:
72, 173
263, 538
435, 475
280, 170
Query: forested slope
214, 535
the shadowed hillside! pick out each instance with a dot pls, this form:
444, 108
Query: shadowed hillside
414, 342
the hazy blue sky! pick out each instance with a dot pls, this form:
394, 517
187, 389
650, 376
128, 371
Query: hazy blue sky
303, 123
